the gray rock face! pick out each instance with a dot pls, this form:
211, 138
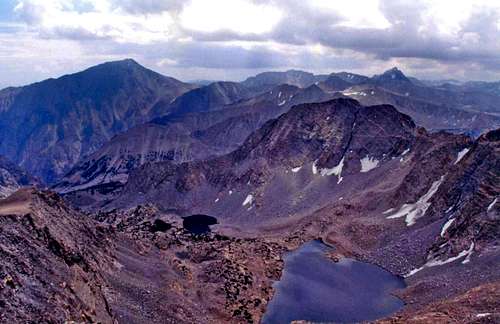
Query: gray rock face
314, 144
53, 261
435, 107
48, 126
13, 177
470, 199
185, 137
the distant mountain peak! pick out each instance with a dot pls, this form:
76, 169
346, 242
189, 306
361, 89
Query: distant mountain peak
98, 102
127, 61
393, 74
125, 64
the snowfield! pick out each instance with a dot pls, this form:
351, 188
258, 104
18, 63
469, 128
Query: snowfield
416, 210
461, 154
368, 163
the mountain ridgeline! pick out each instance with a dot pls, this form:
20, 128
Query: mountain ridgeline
390, 170
48, 126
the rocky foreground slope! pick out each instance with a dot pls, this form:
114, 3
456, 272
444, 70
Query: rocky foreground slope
59, 265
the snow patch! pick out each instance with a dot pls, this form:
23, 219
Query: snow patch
217, 200
354, 93
388, 211
405, 152
230, 192
483, 315
446, 226
368, 163
435, 262
490, 206
461, 154
314, 167
248, 200
336, 170
416, 210
297, 169
282, 103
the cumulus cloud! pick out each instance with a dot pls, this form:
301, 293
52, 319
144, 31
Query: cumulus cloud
427, 37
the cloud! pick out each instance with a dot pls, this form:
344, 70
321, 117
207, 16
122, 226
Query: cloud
449, 38
94, 19
239, 16
148, 6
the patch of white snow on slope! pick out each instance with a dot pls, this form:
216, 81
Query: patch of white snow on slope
434, 263
314, 167
461, 155
248, 200
483, 315
490, 206
416, 210
297, 169
336, 170
446, 226
368, 163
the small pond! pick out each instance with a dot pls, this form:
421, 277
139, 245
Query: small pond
314, 288
198, 224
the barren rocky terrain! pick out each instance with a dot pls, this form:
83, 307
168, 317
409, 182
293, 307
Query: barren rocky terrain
365, 180
276, 161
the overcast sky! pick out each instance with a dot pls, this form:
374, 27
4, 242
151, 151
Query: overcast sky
232, 39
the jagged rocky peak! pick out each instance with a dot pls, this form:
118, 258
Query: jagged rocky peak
324, 128
330, 139
393, 74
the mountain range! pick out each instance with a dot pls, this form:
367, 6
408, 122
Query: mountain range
395, 172
61, 121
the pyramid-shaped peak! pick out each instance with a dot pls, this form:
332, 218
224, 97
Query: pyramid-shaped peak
395, 73
390, 75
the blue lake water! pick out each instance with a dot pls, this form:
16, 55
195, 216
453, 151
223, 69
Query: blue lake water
314, 288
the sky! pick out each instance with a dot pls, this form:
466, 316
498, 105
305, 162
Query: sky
233, 39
